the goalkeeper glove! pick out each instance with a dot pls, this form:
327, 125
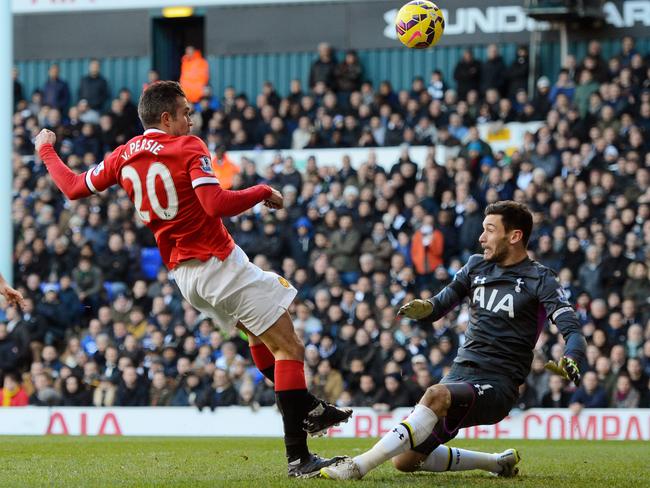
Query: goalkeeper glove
416, 309
566, 368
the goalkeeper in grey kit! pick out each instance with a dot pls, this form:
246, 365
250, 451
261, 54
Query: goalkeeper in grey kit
511, 297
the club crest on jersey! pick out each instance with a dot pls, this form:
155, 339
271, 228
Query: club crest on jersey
518, 285
98, 169
206, 165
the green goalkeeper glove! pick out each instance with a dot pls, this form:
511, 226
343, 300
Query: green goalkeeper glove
566, 368
416, 309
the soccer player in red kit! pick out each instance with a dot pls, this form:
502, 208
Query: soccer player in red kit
168, 176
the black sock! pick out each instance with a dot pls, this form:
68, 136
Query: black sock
312, 401
269, 373
293, 406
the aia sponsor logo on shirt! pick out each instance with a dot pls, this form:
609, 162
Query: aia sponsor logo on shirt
206, 165
495, 302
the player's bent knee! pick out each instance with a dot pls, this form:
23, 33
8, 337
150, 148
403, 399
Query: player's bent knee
438, 399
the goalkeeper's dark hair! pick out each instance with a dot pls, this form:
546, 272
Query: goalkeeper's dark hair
158, 98
514, 215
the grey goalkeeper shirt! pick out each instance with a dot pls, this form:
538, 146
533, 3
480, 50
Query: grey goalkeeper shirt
509, 308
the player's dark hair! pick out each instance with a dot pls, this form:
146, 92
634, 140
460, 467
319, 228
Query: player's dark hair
158, 98
514, 216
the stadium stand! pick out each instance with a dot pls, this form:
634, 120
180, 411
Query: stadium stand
357, 243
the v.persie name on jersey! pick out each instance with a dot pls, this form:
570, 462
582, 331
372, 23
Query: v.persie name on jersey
494, 303
143, 144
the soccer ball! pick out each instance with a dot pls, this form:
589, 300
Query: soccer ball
419, 24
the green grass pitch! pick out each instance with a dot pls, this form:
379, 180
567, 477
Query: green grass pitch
259, 463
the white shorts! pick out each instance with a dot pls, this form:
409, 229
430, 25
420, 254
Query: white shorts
235, 290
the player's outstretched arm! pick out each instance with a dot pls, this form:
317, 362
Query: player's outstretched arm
445, 301
218, 202
12, 296
71, 184
561, 313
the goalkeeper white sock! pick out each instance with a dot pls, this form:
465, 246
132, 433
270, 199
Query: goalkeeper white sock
445, 458
411, 432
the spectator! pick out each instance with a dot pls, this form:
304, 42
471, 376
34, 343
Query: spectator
556, 396
195, 73
613, 270
160, 392
264, 393
546, 160
221, 393
437, 86
606, 378
542, 102
393, 394
74, 393
131, 392
588, 395
115, 263
105, 393
12, 393
44, 395
152, 77
517, 73
188, 391
302, 244
367, 392
584, 90
247, 395
343, 249
94, 87
589, 274
493, 71
224, 168
379, 246
427, 248
88, 279
328, 382
18, 87
9, 350
539, 378
563, 86
467, 74
348, 75
624, 396
52, 311
323, 69
56, 93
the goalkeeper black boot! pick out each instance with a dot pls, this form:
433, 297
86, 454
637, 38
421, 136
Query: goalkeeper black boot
323, 416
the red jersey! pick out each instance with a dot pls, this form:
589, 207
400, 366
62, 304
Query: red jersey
160, 173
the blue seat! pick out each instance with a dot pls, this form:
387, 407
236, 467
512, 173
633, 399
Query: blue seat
150, 262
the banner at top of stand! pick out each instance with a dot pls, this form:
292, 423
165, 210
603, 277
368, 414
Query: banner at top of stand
59, 6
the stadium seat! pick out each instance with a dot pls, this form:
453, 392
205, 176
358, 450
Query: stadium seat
150, 262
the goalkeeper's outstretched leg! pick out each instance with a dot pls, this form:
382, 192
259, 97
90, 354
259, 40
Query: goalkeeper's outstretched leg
464, 398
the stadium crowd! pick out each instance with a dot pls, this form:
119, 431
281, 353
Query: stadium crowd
101, 327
